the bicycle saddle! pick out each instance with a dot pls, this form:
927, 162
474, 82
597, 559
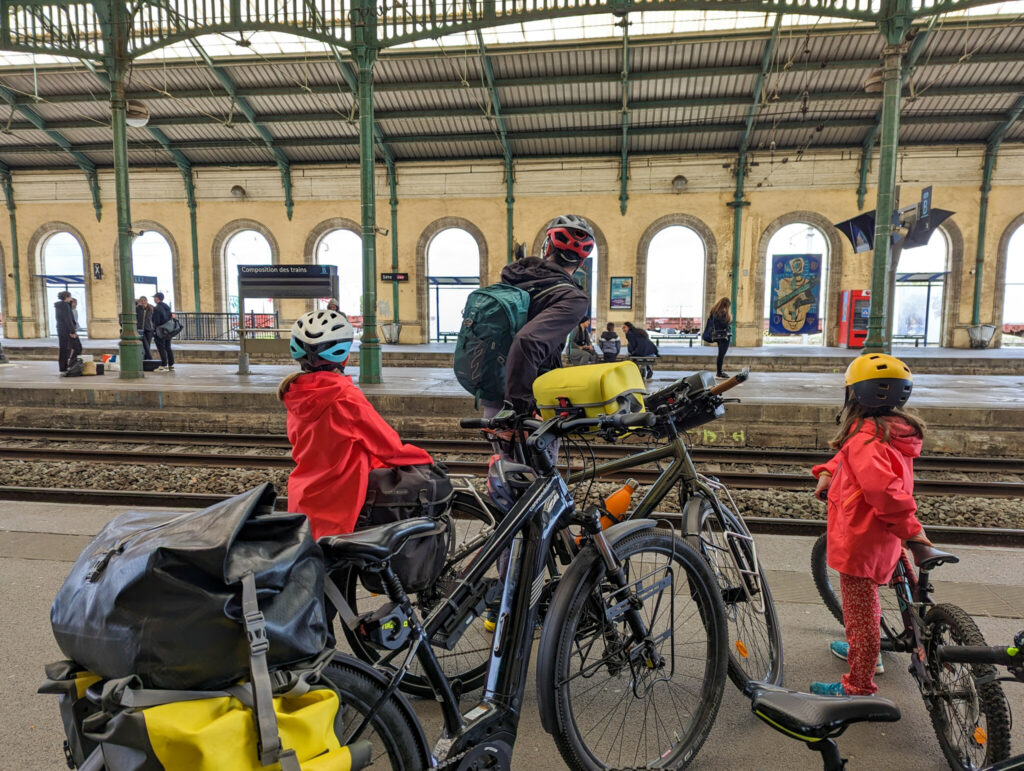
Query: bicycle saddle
376, 544
927, 557
812, 718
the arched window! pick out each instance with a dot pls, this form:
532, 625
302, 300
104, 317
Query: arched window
63, 267
1013, 297
675, 280
453, 271
344, 249
796, 276
153, 266
246, 247
917, 301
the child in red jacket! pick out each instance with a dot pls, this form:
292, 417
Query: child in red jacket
871, 510
337, 436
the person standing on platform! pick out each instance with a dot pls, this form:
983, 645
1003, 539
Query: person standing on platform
332, 305
66, 331
718, 329
144, 325
76, 341
161, 315
610, 344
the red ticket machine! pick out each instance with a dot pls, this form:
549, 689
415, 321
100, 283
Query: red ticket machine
855, 306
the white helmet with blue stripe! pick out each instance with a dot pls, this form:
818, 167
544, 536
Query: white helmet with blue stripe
321, 339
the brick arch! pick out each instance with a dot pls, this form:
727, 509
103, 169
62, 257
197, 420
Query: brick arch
710, 259
431, 230
1002, 256
38, 295
140, 226
952, 288
320, 230
220, 240
603, 283
835, 269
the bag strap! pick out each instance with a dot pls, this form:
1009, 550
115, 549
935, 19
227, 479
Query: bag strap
348, 617
269, 740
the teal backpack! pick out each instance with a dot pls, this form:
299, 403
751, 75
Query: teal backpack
492, 317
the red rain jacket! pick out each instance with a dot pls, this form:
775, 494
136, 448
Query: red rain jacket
337, 437
871, 501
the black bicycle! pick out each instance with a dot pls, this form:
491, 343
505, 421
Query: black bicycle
632, 656
966, 704
818, 720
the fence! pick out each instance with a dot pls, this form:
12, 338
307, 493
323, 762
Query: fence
223, 327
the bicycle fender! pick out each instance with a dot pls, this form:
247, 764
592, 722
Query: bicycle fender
558, 612
691, 517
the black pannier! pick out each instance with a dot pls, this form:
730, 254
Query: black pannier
405, 492
159, 595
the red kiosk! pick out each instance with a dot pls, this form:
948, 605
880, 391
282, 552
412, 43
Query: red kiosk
853, 319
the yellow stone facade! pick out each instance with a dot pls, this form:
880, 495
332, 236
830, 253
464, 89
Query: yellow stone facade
820, 187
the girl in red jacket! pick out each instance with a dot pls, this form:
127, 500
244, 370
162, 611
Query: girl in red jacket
337, 436
871, 510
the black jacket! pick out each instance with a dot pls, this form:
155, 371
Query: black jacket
161, 314
640, 344
65, 318
556, 306
716, 329
144, 318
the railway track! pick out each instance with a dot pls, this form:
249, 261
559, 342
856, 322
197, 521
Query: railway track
737, 455
738, 479
974, 536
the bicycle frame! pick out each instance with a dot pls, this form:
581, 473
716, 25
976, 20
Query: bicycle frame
913, 591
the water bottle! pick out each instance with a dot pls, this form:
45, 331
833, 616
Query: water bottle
617, 504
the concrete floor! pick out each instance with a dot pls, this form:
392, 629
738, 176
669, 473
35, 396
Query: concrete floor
39, 541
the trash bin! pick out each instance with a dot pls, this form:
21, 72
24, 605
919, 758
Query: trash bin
981, 335
390, 332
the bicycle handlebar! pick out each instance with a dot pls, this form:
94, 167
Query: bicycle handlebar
568, 425
1000, 655
732, 382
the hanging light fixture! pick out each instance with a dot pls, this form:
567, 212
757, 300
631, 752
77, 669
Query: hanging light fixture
136, 114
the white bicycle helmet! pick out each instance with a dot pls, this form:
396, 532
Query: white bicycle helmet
321, 339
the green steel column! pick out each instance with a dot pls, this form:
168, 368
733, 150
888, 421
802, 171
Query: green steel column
979, 265
130, 345
194, 228
5, 180
510, 211
393, 185
737, 206
879, 322
369, 348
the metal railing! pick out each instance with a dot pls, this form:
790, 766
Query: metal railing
223, 327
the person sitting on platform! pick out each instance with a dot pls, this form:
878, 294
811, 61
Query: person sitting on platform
640, 347
610, 344
337, 436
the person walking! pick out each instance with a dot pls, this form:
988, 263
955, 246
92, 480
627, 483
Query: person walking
640, 346
581, 348
144, 325
869, 486
76, 341
161, 315
610, 344
718, 329
66, 330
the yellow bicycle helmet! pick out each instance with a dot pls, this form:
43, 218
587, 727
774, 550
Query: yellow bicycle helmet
877, 380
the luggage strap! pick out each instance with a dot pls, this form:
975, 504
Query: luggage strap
348, 616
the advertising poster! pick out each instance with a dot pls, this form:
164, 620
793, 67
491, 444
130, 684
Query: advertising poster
621, 293
796, 293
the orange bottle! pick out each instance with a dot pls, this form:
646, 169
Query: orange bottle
617, 504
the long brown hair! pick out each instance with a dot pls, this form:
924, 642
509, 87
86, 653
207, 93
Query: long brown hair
854, 415
630, 327
720, 310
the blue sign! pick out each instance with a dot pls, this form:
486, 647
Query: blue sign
796, 294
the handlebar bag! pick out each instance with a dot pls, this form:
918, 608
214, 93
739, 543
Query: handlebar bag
591, 390
159, 595
405, 492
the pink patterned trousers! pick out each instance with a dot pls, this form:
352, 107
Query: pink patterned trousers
862, 616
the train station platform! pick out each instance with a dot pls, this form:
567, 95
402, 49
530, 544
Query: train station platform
674, 356
967, 414
38, 543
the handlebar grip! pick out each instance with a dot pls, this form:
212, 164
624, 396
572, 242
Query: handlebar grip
634, 420
977, 654
474, 423
732, 382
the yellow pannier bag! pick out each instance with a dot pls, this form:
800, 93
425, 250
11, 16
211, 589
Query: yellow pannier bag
590, 390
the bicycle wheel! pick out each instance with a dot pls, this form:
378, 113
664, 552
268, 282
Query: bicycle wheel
754, 634
466, 665
612, 706
970, 718
392, 732
827, 581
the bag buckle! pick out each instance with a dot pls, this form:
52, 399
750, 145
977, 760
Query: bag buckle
256, 631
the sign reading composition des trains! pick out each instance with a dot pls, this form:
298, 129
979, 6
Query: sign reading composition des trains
303, 281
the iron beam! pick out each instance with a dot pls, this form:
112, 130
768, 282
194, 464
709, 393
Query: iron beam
624, 110
8, 186
497, 113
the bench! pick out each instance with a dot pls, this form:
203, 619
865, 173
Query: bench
917, 340
690, 336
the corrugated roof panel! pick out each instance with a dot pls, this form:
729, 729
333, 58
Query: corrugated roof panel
322, 153
428, 70
98, 111
684, 143
102, 136
40, 161
435, 150
557, 63
439, 126
946, 133
566, 146
995, 38
435, 99
300, 103
51, 81
558, 95
555, 122
33, 137
214, 106
739, 86
819, 81
174, 78
136, 158
959, 105
969, 73
240, 132
309, 72
323, 129
229, 157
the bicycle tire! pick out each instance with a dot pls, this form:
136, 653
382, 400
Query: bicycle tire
466, 665
826, 580
391, 731
754, 638
572, 616
984, 704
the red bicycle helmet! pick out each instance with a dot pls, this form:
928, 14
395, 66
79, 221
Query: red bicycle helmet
570, 240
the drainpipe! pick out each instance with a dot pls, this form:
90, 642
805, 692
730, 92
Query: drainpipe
393, 183
5, 180
979, 265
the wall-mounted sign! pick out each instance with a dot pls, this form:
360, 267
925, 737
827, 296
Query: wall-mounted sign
394, 276
621, 294
303, 281
796, 280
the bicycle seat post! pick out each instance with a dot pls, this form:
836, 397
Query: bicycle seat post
831, 760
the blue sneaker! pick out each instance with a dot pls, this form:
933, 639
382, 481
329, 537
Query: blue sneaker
828, 689
841, 650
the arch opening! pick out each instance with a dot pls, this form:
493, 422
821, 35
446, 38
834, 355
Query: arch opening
344, 249
62, 267
919, 292
1013, 291
453, 271
796, 275
246, 247
675, 290
153, 266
